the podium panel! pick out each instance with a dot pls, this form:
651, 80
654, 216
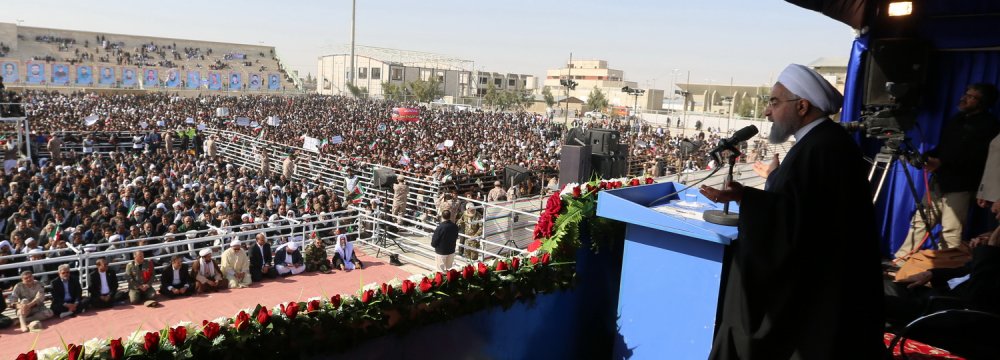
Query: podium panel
671, 278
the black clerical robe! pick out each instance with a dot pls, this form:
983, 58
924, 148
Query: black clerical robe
804, 277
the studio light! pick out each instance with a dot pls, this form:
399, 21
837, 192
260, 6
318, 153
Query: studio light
900, 8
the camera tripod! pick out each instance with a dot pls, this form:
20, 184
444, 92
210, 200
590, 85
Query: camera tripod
890, 152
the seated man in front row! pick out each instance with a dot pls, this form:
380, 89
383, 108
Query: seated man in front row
289, 261
976, 285
175, 280
103, 286
67, 295
28, 297
206, 273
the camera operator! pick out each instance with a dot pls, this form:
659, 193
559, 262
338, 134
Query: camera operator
957, 163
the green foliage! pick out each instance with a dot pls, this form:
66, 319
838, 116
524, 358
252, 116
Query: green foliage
356, 91
393, 92
597, 101
426, 90
550, 100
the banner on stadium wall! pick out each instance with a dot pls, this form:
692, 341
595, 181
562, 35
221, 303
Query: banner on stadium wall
173, 78
235, 81
10, 72
150, 77
274, 81
60, 74
214, 81
130, 76
84, 75
406, 114
193, 79
255, 81
311, 144
107, 76
36, 73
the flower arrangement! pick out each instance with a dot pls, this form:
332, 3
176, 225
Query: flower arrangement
337, 323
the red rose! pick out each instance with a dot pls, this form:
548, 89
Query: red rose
147, 274
386, 289
367, 296
407, 287
501, 266
210, 329
468, 271
264, 316
534, 245
291, 310
590, 188
543, 228
335, 301
576, 191
534, 260
177, 335
618, 184
515, 262
151, 341
426, 285
603, 185
117, 350
483, 270
546, 258
242, 321
312, 305
554, 204
28, 356
633, 182
438, 279
649, 180
74, 352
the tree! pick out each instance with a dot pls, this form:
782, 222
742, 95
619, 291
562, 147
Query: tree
357, 92
426, 90
392, 91
492, 97
550, 100
596, 101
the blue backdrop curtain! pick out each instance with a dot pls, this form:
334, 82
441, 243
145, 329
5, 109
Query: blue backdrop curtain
948, 73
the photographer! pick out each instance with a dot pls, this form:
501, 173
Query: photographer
957, 163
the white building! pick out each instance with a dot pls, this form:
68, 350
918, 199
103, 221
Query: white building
591, 74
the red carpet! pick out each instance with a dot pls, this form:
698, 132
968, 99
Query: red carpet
121, 321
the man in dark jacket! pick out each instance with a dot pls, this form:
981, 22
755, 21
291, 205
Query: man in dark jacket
260, 260
103, 286
289, 261
957, 162
175, 280
443, 241
67, 295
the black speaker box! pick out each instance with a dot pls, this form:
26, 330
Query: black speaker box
513, 175
384, 178
574, 164
604, 141
609, 166
902, 62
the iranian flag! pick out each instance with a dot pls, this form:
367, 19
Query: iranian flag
373, 145
356, 194
479, 164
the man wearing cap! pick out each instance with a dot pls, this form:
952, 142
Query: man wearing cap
141, 275
289, 261
260, 259
206, 273
236, 265
778, 303
497, 193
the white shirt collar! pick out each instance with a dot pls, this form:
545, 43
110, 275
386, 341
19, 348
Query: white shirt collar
805, 129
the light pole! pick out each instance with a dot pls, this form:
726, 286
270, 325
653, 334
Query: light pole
635, 104
570, 85
673, 82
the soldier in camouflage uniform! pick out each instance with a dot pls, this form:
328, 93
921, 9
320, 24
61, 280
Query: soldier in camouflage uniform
471, 224
315, 256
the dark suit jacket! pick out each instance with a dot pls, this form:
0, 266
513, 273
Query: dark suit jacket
167, 277
444, 238
256, 261
279, 258
94, 283
59, 294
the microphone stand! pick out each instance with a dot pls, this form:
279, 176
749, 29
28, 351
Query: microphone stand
724, 217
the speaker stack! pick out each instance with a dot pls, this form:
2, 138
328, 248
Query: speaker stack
513, 175
384, 178
593, 152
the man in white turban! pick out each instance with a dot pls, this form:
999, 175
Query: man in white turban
289, 261
236, 265
778, 303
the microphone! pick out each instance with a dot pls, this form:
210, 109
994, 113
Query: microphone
741, 135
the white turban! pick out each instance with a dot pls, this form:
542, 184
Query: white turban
205, 252
810, 85
234, 243
292, 246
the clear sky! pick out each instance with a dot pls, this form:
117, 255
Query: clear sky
748, 40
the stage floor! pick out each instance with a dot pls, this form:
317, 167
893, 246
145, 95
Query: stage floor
122, 320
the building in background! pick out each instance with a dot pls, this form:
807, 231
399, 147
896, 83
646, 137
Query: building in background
595, 74
833, 69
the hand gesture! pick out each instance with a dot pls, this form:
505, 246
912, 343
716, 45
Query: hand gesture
764, 170
918, 279
733, 193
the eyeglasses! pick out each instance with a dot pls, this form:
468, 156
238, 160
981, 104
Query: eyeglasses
772, 102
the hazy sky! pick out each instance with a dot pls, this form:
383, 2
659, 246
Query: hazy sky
749, 40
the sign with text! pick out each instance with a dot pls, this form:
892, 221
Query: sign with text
406, 114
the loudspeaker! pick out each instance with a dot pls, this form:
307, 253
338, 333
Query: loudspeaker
384, 178
604, 141
902, 62
574, 164
610, 166
513, 175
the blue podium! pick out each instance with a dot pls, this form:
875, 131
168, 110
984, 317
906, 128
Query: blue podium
672, 271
